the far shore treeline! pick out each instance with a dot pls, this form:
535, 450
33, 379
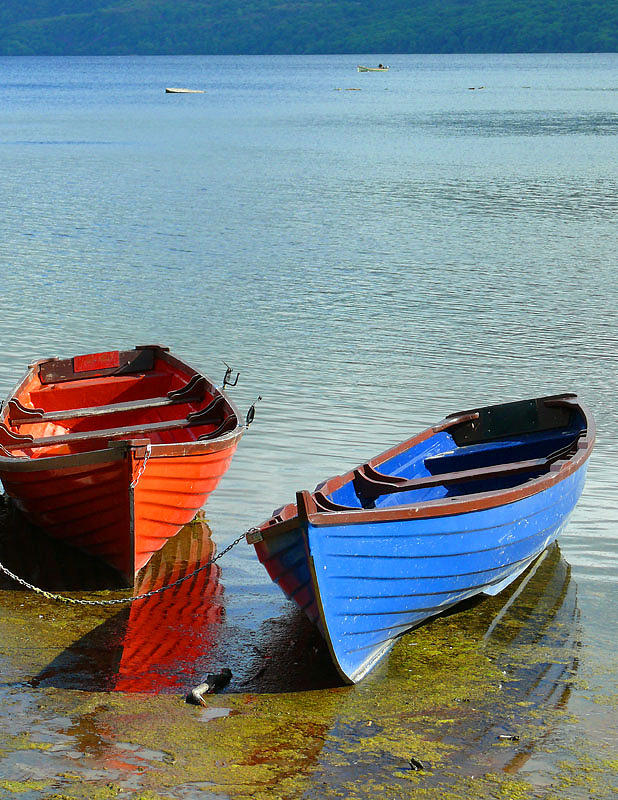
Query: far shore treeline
118, 27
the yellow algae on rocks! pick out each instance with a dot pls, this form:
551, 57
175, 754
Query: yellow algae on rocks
464, 705
19, 787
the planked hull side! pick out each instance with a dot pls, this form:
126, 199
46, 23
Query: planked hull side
170, 492
92, 505
376, 581
85, 505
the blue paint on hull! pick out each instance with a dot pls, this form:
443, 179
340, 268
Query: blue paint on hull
375, 581
459, 510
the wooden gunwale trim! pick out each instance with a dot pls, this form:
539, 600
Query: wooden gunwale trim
452, 505
26, 463
441, 507
198, 447
117, 450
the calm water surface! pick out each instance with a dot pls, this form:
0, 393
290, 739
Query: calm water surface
372, 252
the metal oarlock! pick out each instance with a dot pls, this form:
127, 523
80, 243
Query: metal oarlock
227, 377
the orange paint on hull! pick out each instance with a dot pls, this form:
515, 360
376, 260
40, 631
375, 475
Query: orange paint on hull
168, 495
115, 452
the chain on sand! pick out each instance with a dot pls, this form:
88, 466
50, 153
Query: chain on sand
76, 601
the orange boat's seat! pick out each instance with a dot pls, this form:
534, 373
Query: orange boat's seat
212, 414
193, 391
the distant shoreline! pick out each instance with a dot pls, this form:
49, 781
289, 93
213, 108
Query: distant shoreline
323, 27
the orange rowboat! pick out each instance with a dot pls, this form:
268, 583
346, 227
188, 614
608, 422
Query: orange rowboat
114, 452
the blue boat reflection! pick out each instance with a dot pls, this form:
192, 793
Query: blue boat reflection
529, 634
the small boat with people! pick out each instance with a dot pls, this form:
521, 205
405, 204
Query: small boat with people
379, 68
459, 510
115, 452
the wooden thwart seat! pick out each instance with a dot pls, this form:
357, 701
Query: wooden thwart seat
498, 450
211, 414
370, 484
193, 391
370, 488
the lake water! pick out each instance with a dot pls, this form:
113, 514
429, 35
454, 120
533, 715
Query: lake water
372, 251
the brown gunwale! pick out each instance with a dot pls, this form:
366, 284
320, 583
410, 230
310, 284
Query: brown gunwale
307, 510
118, 446
65, 460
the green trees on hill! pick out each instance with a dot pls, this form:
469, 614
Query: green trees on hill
116, 27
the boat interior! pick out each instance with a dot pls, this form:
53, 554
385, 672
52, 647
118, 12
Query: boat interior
491, 449
74, 406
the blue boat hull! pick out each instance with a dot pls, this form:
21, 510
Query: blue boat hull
453, 513
374, 582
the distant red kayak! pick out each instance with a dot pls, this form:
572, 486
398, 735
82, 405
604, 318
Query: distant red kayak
114, 452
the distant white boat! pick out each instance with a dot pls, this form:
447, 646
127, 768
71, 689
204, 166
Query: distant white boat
184, 91
379, 68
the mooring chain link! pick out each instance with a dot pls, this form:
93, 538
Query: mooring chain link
140, 472
122, 600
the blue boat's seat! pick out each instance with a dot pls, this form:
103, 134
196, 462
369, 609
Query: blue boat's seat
487, 454
371, 484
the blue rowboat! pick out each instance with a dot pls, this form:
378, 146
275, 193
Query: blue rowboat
461, 509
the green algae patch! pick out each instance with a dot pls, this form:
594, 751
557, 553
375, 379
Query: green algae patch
24, 741
19, 787
264, 741
90, 792
468, 697
596, 777
424, 786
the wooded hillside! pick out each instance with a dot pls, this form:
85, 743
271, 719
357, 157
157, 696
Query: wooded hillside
115, 27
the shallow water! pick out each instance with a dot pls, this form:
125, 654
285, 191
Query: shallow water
370, 261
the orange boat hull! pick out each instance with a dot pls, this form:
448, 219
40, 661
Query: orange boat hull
169, 493
125, 472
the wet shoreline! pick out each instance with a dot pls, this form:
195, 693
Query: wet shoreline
472, 704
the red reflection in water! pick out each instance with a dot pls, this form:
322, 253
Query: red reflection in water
167, 633
164, 643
